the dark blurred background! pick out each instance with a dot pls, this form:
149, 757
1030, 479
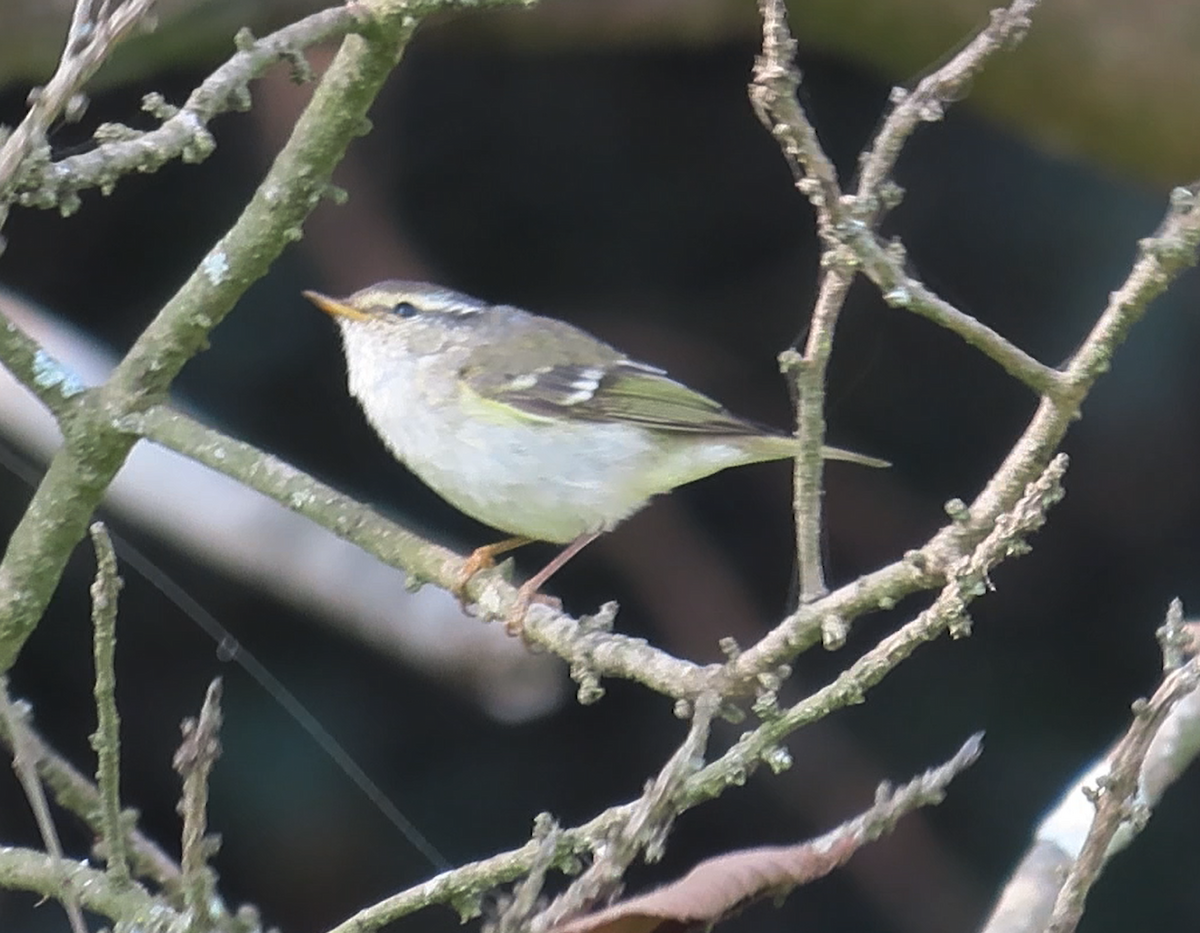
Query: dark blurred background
624, 184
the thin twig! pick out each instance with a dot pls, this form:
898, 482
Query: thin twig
23, 765
194, 761
886, 267
1036, 886
57, 516
808, 378
928, 102
773, 94
1115, 801
527, 893
184, 132
969, 579
106, 740
90, 39
892, 803
74, 792
644, 831
874, 195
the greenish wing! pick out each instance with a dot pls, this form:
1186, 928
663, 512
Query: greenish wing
622, 392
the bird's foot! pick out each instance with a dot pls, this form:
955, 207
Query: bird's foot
482, 558
514, 621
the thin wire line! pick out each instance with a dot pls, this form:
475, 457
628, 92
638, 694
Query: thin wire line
230, 649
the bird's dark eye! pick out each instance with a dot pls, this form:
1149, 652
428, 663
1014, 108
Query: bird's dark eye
404, 309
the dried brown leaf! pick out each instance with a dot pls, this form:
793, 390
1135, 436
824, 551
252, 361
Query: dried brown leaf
722, 886
717, 887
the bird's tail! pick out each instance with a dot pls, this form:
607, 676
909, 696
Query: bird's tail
836, 453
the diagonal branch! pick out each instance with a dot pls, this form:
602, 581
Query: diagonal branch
184, 133
1104, 808
968, 580
840, 219
645, 830
1115, 802
928, 101
74, 792
886, 268
723, 885
23, 765
1163, 257
90, 38
95, 448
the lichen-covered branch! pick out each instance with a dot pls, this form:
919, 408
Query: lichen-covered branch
95, 448
74, 792
842, 218
106, 740
463, 887
645, 830
194, 762
1100, 812
184, 132
41, 873
23, 764
90, 38
54, 384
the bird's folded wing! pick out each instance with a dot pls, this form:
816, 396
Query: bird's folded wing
621, 392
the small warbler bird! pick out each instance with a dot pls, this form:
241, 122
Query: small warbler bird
529, 424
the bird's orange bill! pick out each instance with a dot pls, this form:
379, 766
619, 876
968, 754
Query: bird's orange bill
335, 308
